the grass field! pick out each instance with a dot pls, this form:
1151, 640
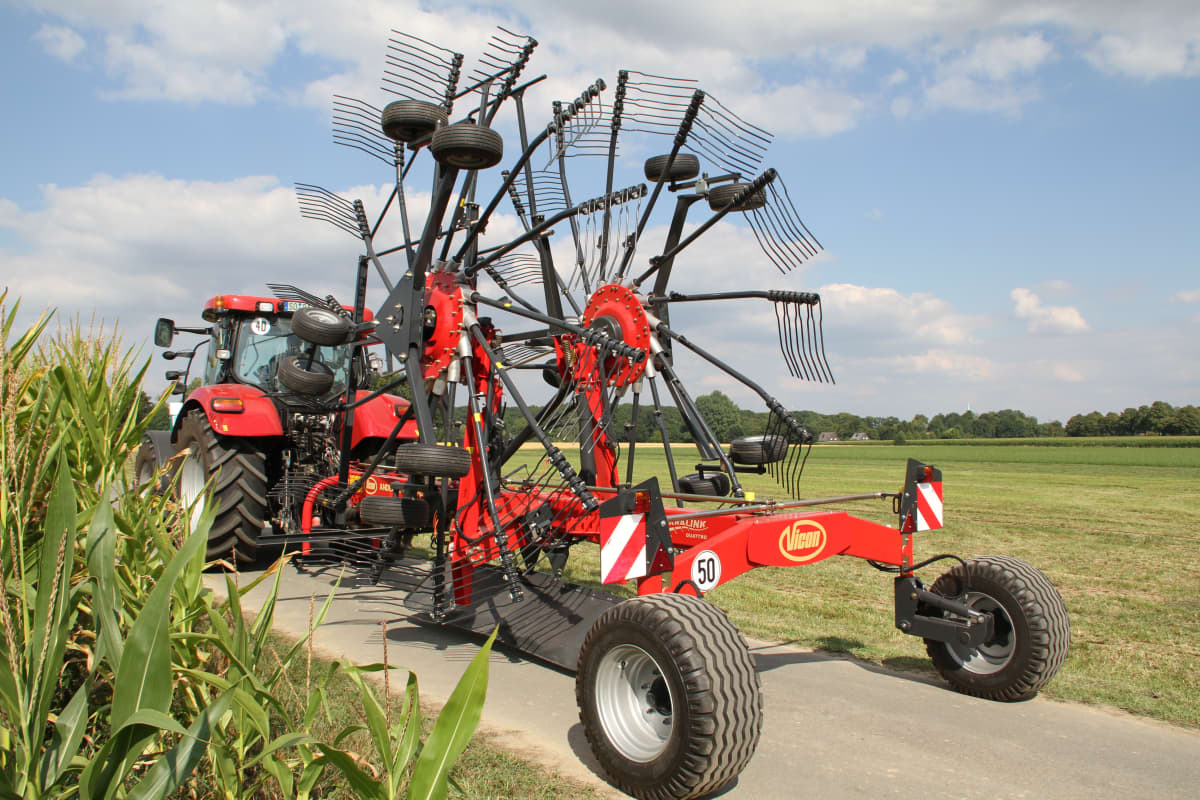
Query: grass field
1116, 528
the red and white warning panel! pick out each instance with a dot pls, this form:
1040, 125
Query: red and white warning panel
634, 539
622, 547
929, 506
921, 501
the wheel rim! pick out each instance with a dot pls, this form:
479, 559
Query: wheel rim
994, 654
192, 479
634, 703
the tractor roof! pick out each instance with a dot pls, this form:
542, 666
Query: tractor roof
250, 304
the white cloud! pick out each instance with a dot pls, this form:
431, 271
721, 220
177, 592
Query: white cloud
987, 54
1154, 56
60, 42
1187, 296
1046, 319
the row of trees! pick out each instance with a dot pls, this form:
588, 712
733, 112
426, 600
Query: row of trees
729, 422
1156, 418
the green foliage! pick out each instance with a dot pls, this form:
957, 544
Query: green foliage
120, 676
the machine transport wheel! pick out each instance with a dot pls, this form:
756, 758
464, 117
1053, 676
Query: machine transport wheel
409, 120
153, 454
1032, 631
316, 379
321, 326
668, 697
685, 167
394, 512
720, 196
238, 470
467, 146
756, 450
415, 458
713, 484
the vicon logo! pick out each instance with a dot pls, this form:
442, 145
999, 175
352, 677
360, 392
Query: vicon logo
802, 541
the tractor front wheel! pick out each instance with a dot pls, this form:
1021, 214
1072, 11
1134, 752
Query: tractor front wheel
238, 471
1031, 633
668, 696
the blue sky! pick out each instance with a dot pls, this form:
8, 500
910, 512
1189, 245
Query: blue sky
1007, 192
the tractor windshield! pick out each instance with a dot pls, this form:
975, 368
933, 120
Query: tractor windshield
263, 341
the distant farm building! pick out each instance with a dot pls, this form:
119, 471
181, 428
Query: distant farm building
860, 437
828, 436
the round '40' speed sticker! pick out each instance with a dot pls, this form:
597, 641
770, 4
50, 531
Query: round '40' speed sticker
706, 570
260, 325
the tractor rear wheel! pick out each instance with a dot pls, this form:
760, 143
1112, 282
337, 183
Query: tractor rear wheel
668, 696
415, 458
238, 471
153, 454
1031, 637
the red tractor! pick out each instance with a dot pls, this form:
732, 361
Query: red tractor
668, 694
283, 409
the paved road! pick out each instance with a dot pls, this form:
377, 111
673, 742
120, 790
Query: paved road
833, 728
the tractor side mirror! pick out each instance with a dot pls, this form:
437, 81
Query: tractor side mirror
164, 332
376, 364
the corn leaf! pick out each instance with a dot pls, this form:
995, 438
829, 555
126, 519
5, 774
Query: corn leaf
453, 729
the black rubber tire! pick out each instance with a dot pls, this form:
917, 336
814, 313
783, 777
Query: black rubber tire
685, 167
713, 484
321, 326
409, 120
1034, 629
467, 146
703, 661
394, 512
153, 454
239, 487
315, 380
720, 196
754, 450
414, 458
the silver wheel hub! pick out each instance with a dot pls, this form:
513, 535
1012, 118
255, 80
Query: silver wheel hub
634, 703
994, 654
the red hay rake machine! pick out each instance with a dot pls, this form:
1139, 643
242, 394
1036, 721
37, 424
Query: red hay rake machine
297, 435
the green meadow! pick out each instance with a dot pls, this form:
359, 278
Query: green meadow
1116, 527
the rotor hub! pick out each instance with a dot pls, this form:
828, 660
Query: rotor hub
619, 313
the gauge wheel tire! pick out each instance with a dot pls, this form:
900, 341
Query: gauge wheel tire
668, 696
316, 379
415, 458
394, 512
237, 469
321, 326
409, 120
755, 450
153, 455
721, 196
712, 484
685, 167
466, 145
1032, 633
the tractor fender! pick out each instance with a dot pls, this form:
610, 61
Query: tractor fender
258, 415
375, 419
